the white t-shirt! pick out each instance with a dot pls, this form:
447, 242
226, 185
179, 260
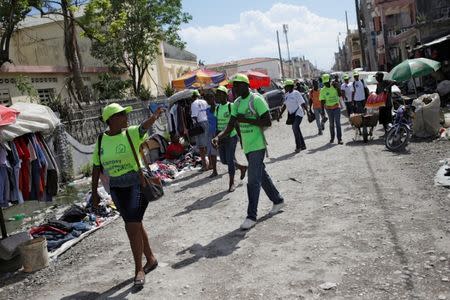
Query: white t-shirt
293, 102
198, 110
358, 88
347, 88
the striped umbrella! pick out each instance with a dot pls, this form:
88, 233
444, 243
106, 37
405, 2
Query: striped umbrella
198, 78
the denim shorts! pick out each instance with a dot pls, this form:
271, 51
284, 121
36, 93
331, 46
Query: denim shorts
126, 195
211, 149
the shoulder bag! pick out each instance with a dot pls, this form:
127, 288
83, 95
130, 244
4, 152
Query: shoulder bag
151, 187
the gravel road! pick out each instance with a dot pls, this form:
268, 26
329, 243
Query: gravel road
360, 223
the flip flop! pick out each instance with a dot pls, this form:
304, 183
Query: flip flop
150, 268
139, 282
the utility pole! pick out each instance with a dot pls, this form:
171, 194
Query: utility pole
281, 59
285, 30
358, 20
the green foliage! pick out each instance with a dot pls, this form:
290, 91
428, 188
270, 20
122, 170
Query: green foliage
111, 87
62, 107
145, 94
23, 84
168, 90
11, 13
128, 33
86, 170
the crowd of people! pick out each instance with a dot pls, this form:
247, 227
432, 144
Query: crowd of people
221, 119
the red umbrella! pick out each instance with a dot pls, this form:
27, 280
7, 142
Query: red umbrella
257, 79
7, 115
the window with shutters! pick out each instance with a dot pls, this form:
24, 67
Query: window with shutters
5, 98
45, 95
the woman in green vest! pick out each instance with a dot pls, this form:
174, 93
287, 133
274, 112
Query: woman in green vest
227, 145
114, 157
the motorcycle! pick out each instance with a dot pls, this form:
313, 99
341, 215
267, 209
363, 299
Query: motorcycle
398, 136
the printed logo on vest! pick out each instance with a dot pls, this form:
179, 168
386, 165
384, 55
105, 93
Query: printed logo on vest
121, 148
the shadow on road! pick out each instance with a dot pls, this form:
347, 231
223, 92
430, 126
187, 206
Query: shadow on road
204, 203
185, 178
280, 158
109, 294
322, 148
222, 246
198, 183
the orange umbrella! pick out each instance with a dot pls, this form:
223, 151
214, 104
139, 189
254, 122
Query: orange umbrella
257, 79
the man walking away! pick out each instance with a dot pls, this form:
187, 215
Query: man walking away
198, 114
295, 105
347, 94
316, 105
358, 94
252, 113
385, 117
329, 95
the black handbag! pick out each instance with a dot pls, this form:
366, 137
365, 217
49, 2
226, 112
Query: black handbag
291, 118
311, 117
197, 129
151, 187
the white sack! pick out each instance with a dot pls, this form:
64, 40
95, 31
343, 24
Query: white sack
427, 119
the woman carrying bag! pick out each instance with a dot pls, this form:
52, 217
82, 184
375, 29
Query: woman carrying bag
296, 107
115, 156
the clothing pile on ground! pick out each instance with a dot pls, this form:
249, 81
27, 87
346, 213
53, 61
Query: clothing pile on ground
28, 170
168, 169
76, 221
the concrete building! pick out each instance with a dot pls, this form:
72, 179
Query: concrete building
37, 50
266, 65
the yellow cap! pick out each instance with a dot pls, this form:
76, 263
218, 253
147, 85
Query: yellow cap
195, 93
240, 78
346, 77
112, 109
223, 89
355, 73
288, 82
325, 78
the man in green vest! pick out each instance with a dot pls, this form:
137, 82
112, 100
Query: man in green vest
329, 96
252, 113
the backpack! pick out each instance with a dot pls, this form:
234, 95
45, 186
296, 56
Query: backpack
251, 106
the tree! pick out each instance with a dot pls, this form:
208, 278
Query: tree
67, 9
128, 33
11, 13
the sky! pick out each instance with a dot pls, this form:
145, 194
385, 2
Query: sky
235, 29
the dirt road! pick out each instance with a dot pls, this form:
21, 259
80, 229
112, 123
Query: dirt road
358, 217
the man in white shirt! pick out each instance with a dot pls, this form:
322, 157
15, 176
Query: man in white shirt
295, 104
347, 94
358, 93
199, 116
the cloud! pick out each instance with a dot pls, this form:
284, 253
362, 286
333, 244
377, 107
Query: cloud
255, 35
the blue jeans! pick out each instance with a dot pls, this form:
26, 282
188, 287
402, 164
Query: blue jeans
299, 141
318, 115
257, 178
227, 149
335, 121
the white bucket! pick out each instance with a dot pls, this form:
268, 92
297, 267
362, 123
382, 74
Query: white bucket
34, 255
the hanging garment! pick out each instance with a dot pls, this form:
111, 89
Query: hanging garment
25, 167
52, 170
15, 163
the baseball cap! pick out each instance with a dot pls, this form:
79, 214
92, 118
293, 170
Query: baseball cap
288, 82
355, 73
112, 109
325, 78
223, 89
195, 93
346, 77
240, 78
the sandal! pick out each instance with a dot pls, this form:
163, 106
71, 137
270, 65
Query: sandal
139, 282
148, 269
243, 172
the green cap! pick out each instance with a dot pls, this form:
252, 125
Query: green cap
223, 89
195, 93
355, 73
346, 77
112, 109
288, 82
240, 78
325, 78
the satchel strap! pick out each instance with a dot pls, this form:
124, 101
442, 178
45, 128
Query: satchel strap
141, 174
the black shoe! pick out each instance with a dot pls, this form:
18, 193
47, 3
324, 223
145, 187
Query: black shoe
340, 142
320, 132
297, 150
303, 148
331, 141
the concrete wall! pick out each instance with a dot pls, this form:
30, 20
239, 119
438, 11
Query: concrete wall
273, 68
